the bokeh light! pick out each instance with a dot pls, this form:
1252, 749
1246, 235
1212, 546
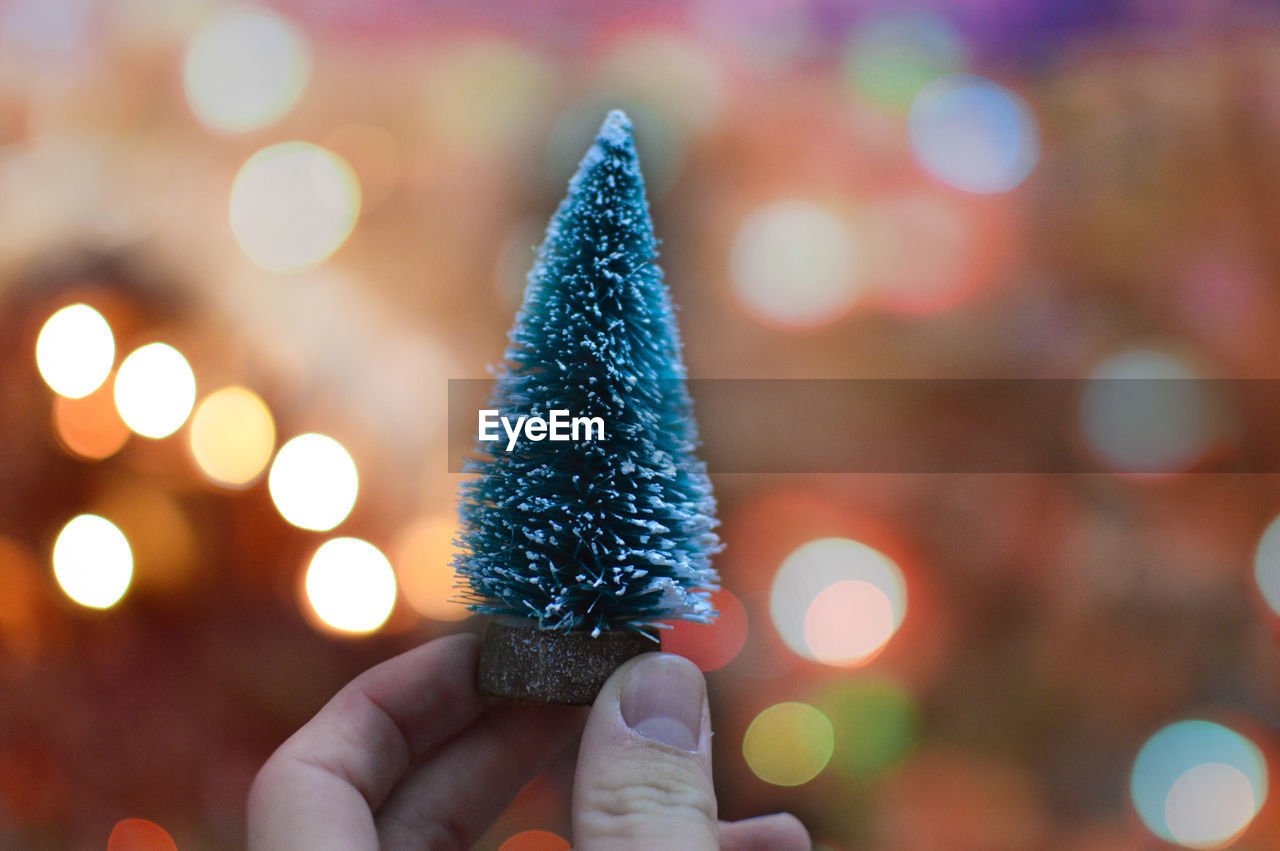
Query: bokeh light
23, 604
232, 436
672, 73
154, 390
848, 622
245, 69
164, 540
973, 134
713, 645
90, 426
293, 205
423, 558
1266, 565
837, 601
44, 29
895, 54
535, 840
877, 725
788, 744
484, 95
92, 561
1198, 784
796, 263
75, 351
375, 156
350, 585
139, 834
926, 252
1208, 804
1145, 410
313, 482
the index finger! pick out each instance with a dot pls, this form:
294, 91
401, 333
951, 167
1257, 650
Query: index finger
322, 786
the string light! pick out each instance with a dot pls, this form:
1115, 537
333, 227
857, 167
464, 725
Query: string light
1145, 410
1198, 784
1266, 565
788, 744
795, 263
895, 54
973, 134
245, 69
848, 622
92, 561
837, 601
232, 435
139, 834
878, 723
313, 482
423, 557
714, 645
350, 585
293, 205
535, 840
75, 351
154, 390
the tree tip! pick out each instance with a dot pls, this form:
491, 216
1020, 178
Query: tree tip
616, 129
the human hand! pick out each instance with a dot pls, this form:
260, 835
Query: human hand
410, 755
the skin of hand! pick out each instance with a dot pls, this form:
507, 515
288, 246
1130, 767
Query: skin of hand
410, 756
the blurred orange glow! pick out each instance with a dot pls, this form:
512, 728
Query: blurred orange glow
23, 592
90, 426
976, 800
138, 834
159, 530
535, 840
673, 73
929, 252
714, 645
375, 156
232, 436
423, 557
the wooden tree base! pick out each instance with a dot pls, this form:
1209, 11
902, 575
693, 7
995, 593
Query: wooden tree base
520, 662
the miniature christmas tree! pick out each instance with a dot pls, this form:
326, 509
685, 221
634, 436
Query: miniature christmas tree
593, 541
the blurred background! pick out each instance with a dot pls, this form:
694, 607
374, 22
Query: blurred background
243, 247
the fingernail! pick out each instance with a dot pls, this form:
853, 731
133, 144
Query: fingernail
662, 700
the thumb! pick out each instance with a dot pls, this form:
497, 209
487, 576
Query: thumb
644, 768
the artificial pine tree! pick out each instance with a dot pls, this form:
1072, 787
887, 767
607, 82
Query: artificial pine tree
591, 543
